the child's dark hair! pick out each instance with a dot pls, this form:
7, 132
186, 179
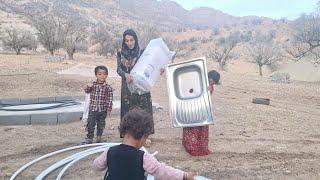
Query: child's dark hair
102, 68
137, 123
214, 75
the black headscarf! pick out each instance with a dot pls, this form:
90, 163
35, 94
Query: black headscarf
130, 54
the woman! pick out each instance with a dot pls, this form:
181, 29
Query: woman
126, 59
196, 139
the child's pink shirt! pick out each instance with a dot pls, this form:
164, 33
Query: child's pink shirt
150, 164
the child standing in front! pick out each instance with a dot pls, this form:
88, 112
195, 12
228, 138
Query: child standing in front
126, 161
101, 100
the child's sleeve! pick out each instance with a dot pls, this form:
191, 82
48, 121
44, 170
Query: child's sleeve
160, 170
100, 163
88, 89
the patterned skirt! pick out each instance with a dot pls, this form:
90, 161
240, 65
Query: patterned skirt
130, 101
195, 140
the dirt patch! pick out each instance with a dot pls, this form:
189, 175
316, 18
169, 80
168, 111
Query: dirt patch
86, 71
302, 71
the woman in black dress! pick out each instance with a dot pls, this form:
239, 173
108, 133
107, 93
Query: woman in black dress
126, 59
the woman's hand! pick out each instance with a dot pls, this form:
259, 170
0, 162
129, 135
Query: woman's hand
126, 64
128, 78
162, 70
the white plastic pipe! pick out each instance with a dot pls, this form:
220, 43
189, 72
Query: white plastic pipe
76, 159
90, 153
24, 167
73, 158
58, 164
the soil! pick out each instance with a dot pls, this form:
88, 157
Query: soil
248, 141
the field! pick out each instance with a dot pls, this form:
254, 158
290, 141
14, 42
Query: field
248, 141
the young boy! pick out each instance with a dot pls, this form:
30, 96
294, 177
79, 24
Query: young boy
101, 97
126, 161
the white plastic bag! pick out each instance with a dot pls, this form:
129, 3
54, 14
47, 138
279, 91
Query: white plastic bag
86, 109
147, 70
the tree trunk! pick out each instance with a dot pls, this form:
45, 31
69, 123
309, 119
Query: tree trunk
18, 51
71, 53
70, 56
222, 65
260, 70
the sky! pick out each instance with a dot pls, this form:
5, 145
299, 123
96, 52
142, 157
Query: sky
275, 9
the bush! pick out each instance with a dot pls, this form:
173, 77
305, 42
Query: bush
16, 39
222, 40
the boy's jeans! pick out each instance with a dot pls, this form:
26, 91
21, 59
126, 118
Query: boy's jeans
94, 118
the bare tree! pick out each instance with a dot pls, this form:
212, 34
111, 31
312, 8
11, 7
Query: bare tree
74, 33
246, 36
17, 39
106, 38
215, 31
147, 33
263, 50
173, 45
100, 34
82, 46
1, 40
32, 43
50, 33
222, 50
306, 38
110, 47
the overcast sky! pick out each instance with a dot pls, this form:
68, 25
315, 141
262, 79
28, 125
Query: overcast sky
275, 9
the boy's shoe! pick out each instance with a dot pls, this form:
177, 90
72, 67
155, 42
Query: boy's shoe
87, 141
98, 139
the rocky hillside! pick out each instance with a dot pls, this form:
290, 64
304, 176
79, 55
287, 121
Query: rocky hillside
166, 15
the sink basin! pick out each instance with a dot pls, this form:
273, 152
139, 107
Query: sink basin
188, 82
190, 101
